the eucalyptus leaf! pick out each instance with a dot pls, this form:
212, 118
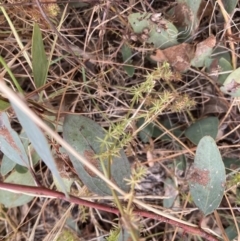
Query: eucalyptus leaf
201, 128
207, 180
11, 144
39, 58
83, 135
39, 143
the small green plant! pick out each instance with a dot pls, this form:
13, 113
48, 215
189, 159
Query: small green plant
128, 95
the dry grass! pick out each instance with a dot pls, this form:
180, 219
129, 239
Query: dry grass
94, 83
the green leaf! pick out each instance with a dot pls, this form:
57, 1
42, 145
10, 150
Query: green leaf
127, 54
225, 66
39, 58
208, 176
162, 35
4, 105
35, 158
10, 199
21, 169
67, 182
171, 192
201, 128
221, 52
39, 143
152, 130
231, 164
232, 232
231, 85
230, 5
7, 165
2, 61
11, 144
149, 131
181, 162
83, 135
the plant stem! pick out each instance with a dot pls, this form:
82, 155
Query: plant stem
48, 193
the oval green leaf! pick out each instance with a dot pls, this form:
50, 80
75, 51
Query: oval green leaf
11, 199
201, 128
126, 55
230, 6
231, 85
148, 131
83, 135
162, 35
207, 180
225, 66
170, 192
7, 165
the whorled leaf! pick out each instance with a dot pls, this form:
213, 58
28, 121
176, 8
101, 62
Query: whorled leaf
83, 135
154, 29
207, 179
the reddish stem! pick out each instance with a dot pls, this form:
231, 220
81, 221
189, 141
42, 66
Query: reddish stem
41, 191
